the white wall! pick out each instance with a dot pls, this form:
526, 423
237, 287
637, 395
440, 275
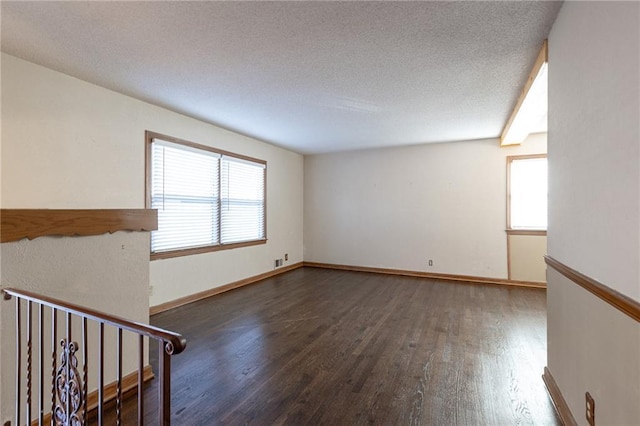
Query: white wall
177, 277
398, 207
70, 144
594, 204
594, 119
103, 272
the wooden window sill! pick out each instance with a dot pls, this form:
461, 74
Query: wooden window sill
538, 232
206, 249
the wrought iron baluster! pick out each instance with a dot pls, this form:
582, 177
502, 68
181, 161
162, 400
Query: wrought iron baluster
140, 380
68, 370
41, 364
85, 362
54, 338
164, 360
18, 360
119, 379
29, 360
100, 373
69, 384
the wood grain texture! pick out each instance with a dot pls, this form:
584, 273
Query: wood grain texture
421, 274
205, 249
509, 267
543, 56
17, 224
562, 408
325, 347
217, 290
150, 136
623, 303
534, 232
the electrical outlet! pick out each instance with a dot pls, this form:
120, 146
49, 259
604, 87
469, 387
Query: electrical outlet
430, 262
590, 409
286, 256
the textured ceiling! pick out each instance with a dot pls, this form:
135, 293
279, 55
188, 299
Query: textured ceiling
309, 76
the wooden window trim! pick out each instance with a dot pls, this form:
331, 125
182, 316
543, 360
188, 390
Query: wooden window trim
541, 59
519, 231
535, 232
204, 249
149, 137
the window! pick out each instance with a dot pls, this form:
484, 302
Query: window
527, 192
206, 199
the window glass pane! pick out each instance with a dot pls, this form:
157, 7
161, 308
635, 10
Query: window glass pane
528, 183
242, 200
185, 192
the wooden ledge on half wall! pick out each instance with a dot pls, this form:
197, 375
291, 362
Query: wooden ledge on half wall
17, 224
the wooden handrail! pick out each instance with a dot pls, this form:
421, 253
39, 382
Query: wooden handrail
69, 379
177, 342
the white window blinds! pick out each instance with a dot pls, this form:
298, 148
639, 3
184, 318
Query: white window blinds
242, 200
204, 198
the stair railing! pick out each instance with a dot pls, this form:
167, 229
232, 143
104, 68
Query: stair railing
68, 379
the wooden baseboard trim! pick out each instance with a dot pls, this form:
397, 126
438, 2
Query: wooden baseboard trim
129, 384
623, 303
407, 273
420, 274
16, 224
217, 290
558, 400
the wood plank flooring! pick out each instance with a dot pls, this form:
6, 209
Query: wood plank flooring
323, 347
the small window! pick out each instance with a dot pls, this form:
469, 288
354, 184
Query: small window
206, 199
527, 192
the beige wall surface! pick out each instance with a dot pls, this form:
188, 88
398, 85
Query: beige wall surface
177, 277
594, 204
526, 257
399, 207
70, 144
104, 272
593, 348
594, 173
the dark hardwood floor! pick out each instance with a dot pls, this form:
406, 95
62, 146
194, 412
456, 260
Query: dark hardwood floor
323, 347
